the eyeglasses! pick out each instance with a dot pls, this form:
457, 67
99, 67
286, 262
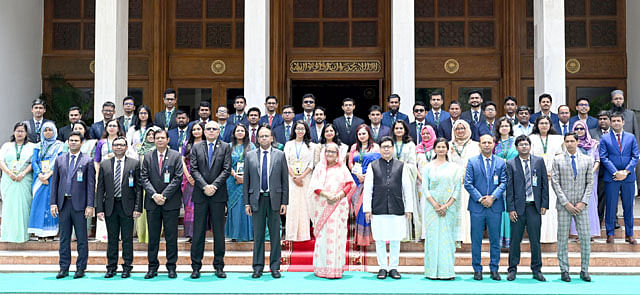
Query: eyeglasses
308, 101
169, 98
112, 126
119, 145
287, 113
108, 111
212, 129
222, 112
330, 152
264, 136
579, 128
128, 103
386, 147
583, 104
271, 102
418, 111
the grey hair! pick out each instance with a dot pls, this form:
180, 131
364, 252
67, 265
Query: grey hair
617, 91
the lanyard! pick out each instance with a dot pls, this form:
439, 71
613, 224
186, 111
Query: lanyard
398, 151
298, 149
361, 154
42, 155
239, 150
545, 143
459, 152
18, 151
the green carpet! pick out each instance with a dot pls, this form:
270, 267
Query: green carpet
300, 282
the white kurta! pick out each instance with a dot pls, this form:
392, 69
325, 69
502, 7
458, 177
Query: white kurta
388, 227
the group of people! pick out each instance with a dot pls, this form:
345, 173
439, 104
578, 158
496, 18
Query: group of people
246, 173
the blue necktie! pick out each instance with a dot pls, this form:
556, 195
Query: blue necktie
287, 133
419, 134
488, 168
180, 141
475, 117
564, 129
210, 154
264, 183
72, 166
573, 165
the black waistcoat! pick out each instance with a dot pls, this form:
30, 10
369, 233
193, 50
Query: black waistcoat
387, 187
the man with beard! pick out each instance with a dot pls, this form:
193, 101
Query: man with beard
179, 135
564, 124
377, 130
630, 120
545, 102
523, 126
253, 117
392, 115
319, 121
239, 116
510, 107
436, 114
475, 114
582, 106
271, 118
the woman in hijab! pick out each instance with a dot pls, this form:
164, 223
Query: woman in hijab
591, 148
41, 223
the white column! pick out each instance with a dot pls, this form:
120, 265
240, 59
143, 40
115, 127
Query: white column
20, 61
111, 54
549, 56
633, 56
403, 73
256, 52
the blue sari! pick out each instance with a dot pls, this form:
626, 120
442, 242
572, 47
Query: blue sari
363, 228
239, 225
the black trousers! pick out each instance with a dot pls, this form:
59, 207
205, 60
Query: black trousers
157, 219
601, 198
69, 218
532, 220
119, 225
201, 211
265, 216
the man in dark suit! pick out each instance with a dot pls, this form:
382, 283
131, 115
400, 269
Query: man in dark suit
564, 120
393, 114
582, 106
253, 117
419, 112
603, 125
348, 123
238, 116
527, 200
167, 119
619, 157
485, 180
75, 114
474, 114
161, 177
179, 135
271, 117
488, 126
319, 116
436, 114
226, 128
283, 132
108, 110
377, 129
266, 196
210, 168
38, 108
545, 101
119, 200
308, 105
129, 118
72, 197
597, 133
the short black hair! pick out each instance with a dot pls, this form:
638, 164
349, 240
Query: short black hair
169, 91
604, 113
347, 99
455, 102
270, 97
309, 95
181, 112
254, 109
75, 108
489, 103
385, 139
204, 104
510, 98
393, 95
522, 109
240, 97
582, 99
473, 92
222, 106
287, 106
375, 108
436, 93
545, 95
522, 138
616, 115
564, 105
38, 101
76, 133
262, 126
120, 138
573, 134
319, 108
128, 97
161, 130
418, 104
108, 104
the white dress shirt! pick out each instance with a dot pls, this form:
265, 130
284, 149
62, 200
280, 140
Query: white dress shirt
528, 198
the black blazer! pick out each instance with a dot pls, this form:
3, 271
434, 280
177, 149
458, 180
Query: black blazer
63, 133
153, 180
468, 116
131, 195
382, 131
348, 137
160, 120
516, 192
31, 130
414, 132
134, 119
216, 175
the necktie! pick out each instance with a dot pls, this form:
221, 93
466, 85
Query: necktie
475, 116
419, 136
264, 185
527, 176
488, 170
437, 115
564, 129
619, 141
238, 118
221, 130
117, 192
126, 124
181, 138
210, 154
375, 134
160, 160
348, 122
270, 120
573, 165
287, 132
253, 135
72, 166
167, 119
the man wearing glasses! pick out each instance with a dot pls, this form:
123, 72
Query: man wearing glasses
167, 119
308, 104
108, 109
283, 132
582, 106
415, 128
271, 118
128, 119
226, 128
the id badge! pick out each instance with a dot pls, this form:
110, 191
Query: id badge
15, 166
240, 168
297, 167
357, 169
495, 179
130, 178
79, 174
45, 166
167, 177
534, 180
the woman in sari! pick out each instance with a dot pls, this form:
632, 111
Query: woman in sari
299, 154
239, 226
329, 135
41, 222
591, 148
135, 135
546, 143
363, 152
148, 145
15, 162
330, 191
505, 149
405, 151
441, 184
461, 149
196, 135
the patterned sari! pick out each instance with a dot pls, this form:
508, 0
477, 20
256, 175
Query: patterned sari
362, 227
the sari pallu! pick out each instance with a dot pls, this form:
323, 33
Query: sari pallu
363, 235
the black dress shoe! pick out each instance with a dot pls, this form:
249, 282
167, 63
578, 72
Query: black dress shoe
511, 276
394, 274
616, 225
382, 274
477, 276
63, 273
256, 274
585, 276
109, 274
126, 273
79, 274
565, 276
195, 274
275, 274
495, 276
221, 274
172, 274
151, 274
538, 276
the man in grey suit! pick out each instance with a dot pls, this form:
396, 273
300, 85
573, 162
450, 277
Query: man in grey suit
526, 205
266, 196
161, 177
572, 180
210, 168
630, 121
119, 200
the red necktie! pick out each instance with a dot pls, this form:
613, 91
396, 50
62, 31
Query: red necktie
160, 163
619, 142
270, 120
253, 135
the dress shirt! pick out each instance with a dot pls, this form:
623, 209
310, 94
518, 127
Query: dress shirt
528, 199
268, 166
519, 130
164, 158
319, 130
75, 159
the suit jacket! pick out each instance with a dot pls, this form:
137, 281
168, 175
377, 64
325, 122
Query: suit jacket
570, 189
482, 128
554, 118
314, 132
243, 119
596, 133
631, 123
478, 184
348, 136
160, 120
133, 121
413, 129
96, 130
387, 120
300, 116
63, 133
216, 174
558, 126
517, 193
131, 195
468, 116
174, 138
279, 134
31, 129
82, 192
277, 120
431, 119
382, 131
278, 179
591, 121
153, 180
614, 159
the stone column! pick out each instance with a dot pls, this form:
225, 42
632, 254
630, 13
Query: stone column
403, 73
549, 53
111, 55
633, 56
256, 52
